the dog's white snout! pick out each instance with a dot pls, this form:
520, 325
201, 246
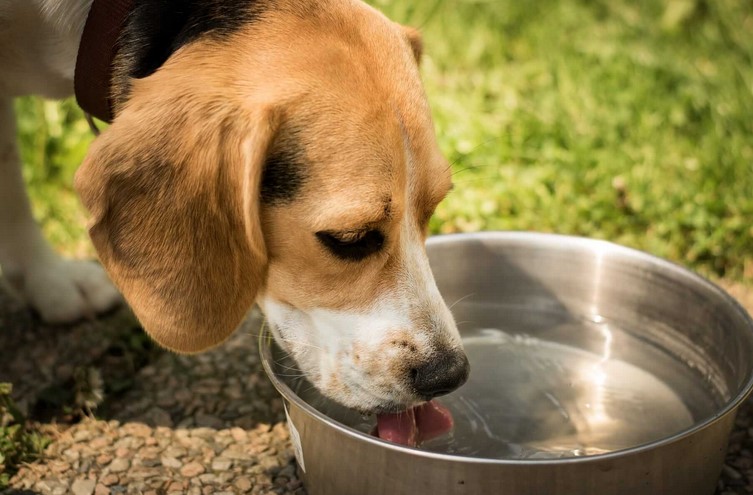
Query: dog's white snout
402, 350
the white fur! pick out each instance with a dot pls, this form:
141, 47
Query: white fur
38, 45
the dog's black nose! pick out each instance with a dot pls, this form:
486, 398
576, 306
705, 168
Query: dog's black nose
442, 374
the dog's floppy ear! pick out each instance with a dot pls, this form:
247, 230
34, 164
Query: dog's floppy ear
416, 43
172, 188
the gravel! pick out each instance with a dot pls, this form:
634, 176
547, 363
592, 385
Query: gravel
115, 457
205, 424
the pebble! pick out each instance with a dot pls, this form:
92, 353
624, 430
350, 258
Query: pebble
151, 462
176, 452
100, 443
243, 484
203, 432
239, 434
72, 455
82, 435
59, 466
83, 487
207, 478
220, 464
119, 465
122, 452
192, 469
109, 479
171, 462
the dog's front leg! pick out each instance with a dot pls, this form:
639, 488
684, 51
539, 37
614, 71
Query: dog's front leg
60, 290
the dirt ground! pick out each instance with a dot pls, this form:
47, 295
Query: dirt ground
206, 424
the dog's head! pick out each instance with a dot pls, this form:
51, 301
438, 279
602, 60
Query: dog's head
293, 163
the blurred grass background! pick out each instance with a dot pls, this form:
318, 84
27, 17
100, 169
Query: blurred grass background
627, 120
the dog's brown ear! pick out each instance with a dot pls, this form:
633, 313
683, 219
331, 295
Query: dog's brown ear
172, 188
415, 40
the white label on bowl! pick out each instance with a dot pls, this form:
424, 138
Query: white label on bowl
295, 439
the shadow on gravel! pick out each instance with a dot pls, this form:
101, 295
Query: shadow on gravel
60, 372
110, 369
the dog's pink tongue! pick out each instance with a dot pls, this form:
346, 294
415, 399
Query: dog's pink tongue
415, 425
398, 427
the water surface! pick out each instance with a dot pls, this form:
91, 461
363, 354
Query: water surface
548, 385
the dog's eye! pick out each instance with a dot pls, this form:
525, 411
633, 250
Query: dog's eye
352, 245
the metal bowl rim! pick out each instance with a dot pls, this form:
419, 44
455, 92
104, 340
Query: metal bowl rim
539, 238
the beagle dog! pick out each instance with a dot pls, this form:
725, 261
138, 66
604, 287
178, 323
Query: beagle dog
272, 151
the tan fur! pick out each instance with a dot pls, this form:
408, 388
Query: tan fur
173, 184
175, 216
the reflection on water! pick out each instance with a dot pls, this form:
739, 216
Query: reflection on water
532, 398
551, 400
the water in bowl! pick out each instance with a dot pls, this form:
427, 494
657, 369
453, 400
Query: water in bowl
539, 390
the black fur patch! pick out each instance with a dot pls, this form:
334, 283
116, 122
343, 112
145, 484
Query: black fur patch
155, 29
284, 171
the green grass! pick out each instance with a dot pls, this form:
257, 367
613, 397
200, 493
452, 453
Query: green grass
19, 443
627, 120
54, 138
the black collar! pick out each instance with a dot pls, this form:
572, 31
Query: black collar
98, 47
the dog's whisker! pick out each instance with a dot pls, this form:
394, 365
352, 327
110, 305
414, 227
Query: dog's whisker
461, 299
480, 178
291, 375
290, 341
306, 390
472, 167
286, 367
301, 343
471, 152
286, 362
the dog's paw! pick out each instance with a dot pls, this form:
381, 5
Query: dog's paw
63, 291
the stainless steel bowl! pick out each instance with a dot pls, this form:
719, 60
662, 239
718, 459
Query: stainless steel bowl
595, 369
